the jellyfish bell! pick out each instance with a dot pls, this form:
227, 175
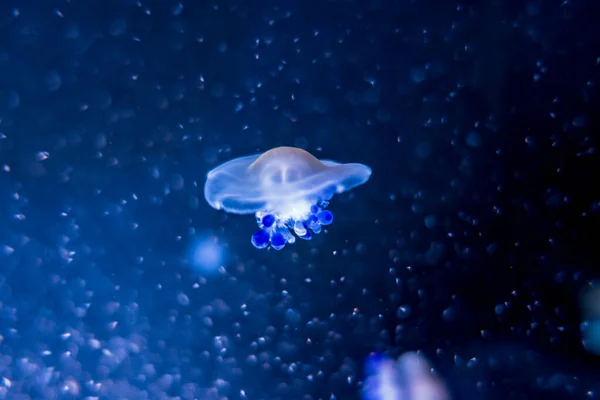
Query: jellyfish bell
284, 166
286, 188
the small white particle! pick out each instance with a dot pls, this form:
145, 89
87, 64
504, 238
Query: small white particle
42, 155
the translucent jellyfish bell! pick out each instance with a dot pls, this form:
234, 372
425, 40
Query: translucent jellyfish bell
286, 188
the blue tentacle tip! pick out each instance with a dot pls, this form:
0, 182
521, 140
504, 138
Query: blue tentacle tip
268, 220
278, 241
325, 217
307, 235
260, 239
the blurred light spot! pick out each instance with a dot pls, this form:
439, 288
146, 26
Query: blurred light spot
474, 139
206, 254
579, 121
430, 221
53, 81
499, 309
589, 303
118, 27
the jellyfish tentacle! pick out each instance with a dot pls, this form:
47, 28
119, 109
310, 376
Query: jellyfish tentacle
288, 236
260, 239
307, 234
268, 220
276, 229
278, 241
325, 217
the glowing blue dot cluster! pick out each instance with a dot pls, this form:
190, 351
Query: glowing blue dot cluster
277, 230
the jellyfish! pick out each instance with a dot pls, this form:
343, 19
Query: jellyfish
408, 378
286, 188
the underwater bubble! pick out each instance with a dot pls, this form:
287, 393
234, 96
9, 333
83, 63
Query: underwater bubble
473, 139
430, 221
579, 121
403, 311
292, 316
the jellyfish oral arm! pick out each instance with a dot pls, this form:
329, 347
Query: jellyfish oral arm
281, 225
